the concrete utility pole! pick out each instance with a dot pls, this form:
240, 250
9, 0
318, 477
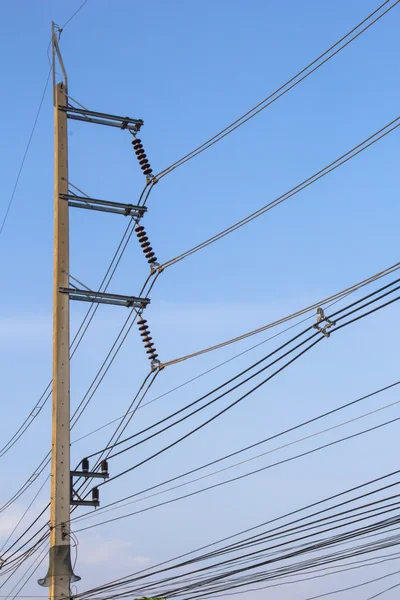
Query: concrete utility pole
60, 561
63, 495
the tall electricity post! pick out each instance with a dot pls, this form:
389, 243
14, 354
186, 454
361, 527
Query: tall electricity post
60, 547
63, 495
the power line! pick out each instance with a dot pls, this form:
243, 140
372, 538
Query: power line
334, 297
74, 15
284, 516
384, 591
32, 132
281, 368
25, 153
237, 478
344, 158
285, 88
223, 458
281, 347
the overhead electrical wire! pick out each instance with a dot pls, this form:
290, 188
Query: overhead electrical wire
290, 553
343, 159
212, 418
303, 74
75, 13
28, 145
233, 479
298, 313
88, 395
31, 134
331, 300
23, 515
364, 563
46, 460
389, 589
289, 514
223, 458
86, 321
150, 189
262, 360
242, 476
354, 303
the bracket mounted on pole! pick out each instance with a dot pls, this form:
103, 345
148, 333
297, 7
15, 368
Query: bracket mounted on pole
119, 208
104, 298
86, 474
90, 116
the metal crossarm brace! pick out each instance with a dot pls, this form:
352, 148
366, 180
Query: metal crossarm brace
82, 114
90, 475
103, 298
86, 475
119, 208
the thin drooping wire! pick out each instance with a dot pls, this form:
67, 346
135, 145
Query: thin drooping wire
389, 589
266, 440
212, 368
318, 545
39, 560
372, 561
274, 520
298, 313
363, 306
74, 15
84, 325
24, 514
262, 360
28, 145
174, 443
282, 90
32, 133
327, 542
354, 303
142, 405
46, 460
343, 159
115, 348
224, 410
353, 587
128, 416
233, 479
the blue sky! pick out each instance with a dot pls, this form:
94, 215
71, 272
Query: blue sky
188, 69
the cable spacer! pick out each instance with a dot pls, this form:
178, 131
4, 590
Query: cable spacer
321, 318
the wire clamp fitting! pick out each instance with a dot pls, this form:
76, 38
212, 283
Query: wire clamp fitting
321, 318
